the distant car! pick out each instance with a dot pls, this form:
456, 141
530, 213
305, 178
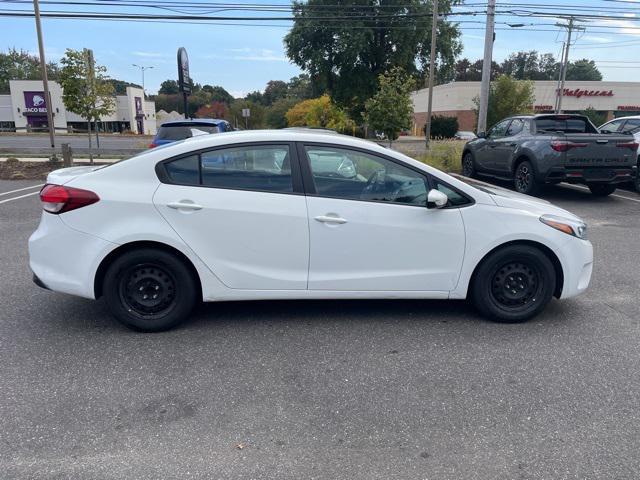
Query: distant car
464, 135
532, 150
628, 126
170, 132
287, 214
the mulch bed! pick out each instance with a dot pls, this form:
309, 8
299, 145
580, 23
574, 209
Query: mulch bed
18, 170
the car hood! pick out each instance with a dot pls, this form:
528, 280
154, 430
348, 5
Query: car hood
508, 199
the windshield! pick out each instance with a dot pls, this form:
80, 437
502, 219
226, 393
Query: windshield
180, 132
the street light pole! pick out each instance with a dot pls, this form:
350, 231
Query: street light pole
142, 69
45, 80
486, 67
432, 61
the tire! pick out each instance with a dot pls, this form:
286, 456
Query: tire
468, 165
524, 179
513, 284
149, 290
636, 183
602, 189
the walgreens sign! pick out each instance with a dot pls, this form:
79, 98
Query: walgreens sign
579, 92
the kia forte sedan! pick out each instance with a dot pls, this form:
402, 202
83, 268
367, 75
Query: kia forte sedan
297, 215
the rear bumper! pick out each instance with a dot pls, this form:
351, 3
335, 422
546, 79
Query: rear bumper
63, 259
591, 175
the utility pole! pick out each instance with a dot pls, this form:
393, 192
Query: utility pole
432, 61
142, 69
45, 80
565, 61
489, 36
555, 105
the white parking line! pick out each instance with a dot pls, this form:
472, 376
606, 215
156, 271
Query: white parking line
612, 195
18, 198
21, 189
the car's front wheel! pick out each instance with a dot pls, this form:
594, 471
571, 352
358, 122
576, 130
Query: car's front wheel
513, 284
149, 290
602, 189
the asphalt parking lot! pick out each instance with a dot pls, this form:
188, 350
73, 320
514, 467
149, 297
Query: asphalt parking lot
325, 390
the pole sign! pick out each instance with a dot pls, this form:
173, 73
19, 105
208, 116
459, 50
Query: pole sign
184, 80
246, 113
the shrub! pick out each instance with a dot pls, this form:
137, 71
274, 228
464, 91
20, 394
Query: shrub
443, 127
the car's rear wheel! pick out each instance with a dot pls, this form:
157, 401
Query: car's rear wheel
636, 183
524, 179
513, 284
602, 189
149, 290
468, 165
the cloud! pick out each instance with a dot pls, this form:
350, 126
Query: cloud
595, 39
147, 54
626, 27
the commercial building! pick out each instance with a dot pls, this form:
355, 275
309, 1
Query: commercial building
612, 99
25, 110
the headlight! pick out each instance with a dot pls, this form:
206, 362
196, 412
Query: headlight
575, 228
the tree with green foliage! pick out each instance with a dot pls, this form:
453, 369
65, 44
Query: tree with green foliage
120, 86
300, 87
257, 118
276, 113
21, 65
169, 87
274, 91
583, 70
390, 110
318, 112
443, 126
86, 90
218, 94
507, 96
596, 117
346, 59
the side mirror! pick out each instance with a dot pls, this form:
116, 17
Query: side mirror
482, 135
436, 199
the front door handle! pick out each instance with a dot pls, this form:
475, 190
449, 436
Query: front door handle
184, 205
330, 219
513, 144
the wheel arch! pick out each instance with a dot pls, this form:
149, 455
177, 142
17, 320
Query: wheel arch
555, 261
140, 244
522, 157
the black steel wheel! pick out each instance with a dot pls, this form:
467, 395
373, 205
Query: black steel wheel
513, 283
468, 165
150, 290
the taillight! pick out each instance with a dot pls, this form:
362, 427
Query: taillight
630, 145
152, 145
58, 199
564, 145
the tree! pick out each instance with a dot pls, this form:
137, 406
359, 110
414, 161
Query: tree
508, 96
218, 94
86, 91
318, 112
346, 59
214, 110
276, 114
583, 70
254, 97
465, 71
597, 118
390, 109
275, 90
299, 87
257, 118
169, 87
21, 65
120, 86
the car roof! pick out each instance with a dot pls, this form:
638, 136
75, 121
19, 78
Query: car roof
629, 117
193, 121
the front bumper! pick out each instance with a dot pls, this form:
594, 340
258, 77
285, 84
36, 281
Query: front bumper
591, 175
577, 265
63, 259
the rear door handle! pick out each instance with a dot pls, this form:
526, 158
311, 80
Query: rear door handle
185, 205
513, 144
330, 219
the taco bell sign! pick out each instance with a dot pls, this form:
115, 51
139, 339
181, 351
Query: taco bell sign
35, 102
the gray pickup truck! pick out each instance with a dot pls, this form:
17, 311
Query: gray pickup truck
532, 150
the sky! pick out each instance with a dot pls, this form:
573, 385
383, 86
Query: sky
244, 58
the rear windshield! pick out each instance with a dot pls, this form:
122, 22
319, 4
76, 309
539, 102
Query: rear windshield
180, 132
564, 124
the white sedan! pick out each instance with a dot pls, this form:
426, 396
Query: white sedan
297, 215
